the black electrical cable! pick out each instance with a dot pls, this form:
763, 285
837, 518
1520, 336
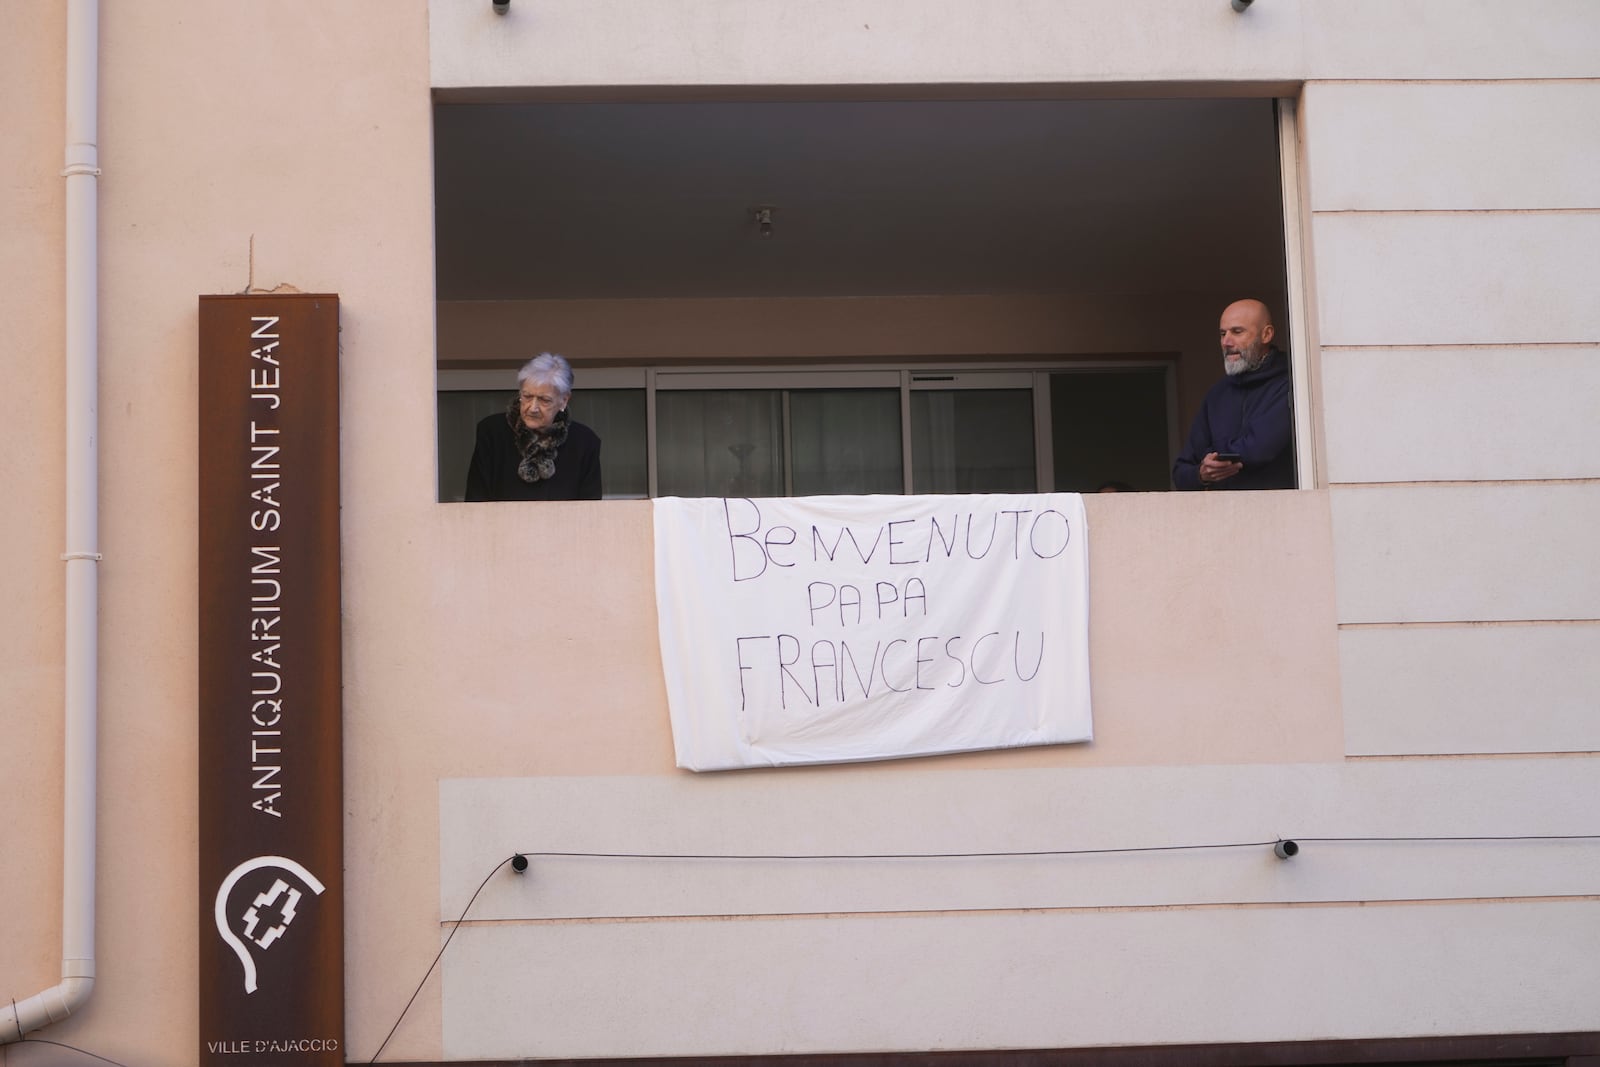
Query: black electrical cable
72, 1048
1460, 837
872, 856
437, 958
1039, 852
885, 855
924, 856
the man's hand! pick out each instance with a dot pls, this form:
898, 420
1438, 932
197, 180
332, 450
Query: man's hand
1212, 469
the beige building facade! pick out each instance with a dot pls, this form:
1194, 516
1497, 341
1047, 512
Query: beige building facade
1395, 665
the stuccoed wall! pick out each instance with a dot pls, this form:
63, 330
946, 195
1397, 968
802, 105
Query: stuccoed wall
1005, 42
1437, 599
1462, 400
1448, 215
280, 145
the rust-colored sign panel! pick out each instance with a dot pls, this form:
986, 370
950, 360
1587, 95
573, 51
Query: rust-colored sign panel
271, 789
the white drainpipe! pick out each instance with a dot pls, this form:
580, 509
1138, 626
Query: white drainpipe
18, 1018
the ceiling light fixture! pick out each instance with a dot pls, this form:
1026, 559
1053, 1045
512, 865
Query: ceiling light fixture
1242, 5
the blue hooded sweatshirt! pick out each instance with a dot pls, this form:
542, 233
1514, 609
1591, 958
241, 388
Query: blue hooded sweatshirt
1247, 413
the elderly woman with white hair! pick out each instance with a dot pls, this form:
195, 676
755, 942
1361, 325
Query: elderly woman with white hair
533, 450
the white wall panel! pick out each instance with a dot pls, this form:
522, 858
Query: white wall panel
1447, 414
1045, 980
1466, 553
733, 42
483, 821
1419, 146
1458, 689
1452, 38
920, 42
1451, 279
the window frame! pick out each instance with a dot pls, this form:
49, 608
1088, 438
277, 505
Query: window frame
1033, 375
1304, 356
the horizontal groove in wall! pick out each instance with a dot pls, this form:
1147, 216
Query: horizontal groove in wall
1493, 346
1463, 624
1576, 80
1437, 482
1455, 211
1590, 343
1572, 1047
1251, 905
1398, 757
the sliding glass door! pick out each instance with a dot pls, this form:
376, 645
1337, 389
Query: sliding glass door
756, 432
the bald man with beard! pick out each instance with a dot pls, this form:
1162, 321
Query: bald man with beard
1241, 437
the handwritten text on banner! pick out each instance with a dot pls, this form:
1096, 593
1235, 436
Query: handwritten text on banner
832, 629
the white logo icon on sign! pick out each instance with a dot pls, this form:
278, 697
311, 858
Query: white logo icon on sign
281, 898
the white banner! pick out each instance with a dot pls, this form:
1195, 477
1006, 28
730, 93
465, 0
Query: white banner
842, 628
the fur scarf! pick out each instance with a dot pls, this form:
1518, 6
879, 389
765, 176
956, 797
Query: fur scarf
537, 448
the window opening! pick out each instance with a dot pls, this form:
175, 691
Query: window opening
972, 441
720, 442
617, 415
827, 432
1111, 426
1029, 225
845, 441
